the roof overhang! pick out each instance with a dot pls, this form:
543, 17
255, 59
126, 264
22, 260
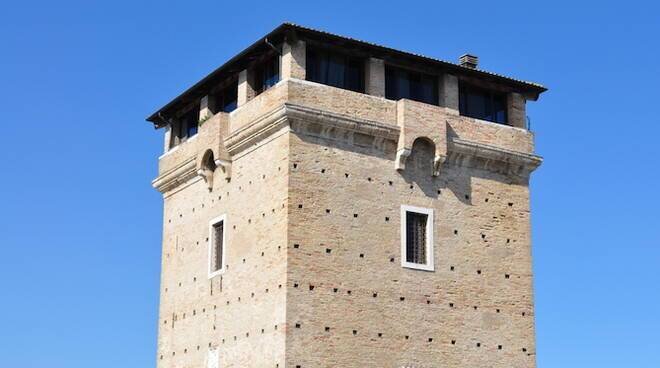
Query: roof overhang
292, 31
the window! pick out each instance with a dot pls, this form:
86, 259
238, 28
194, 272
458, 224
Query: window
482, 104
335, 69
267, 74
185, 126
417, 238
213, 358
402, 83
226, 99
217, 243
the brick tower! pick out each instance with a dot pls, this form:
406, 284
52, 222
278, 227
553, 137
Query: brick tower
329, 202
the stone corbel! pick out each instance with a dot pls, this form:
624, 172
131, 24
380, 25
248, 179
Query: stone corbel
207, 175
437, 163
401, 157
225, 165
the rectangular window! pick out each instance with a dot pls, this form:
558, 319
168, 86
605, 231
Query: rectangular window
482, 104
402, 83
335, 69
213, 358
217, 244
267, 74
226, 99
185, 126
417, 238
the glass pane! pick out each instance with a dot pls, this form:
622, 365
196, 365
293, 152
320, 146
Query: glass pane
476, 105
354, 75
416, 237
499, 102
336, 71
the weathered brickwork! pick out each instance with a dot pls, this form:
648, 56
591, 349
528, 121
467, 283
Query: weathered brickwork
242, 312
348, 291
311, 180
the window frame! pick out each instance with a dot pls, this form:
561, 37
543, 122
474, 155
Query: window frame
260, 71
392, 74
211, 244
490, 96
429, 265
319, 53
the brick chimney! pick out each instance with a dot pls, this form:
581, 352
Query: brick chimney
468, 61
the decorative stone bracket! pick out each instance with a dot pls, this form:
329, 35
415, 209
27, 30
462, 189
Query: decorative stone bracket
419, 120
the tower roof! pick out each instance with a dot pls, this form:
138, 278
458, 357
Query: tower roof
293, 31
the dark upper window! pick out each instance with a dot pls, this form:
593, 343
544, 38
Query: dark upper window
225, 99
482, 104
335, 69
402, 83
267, 74
187, 125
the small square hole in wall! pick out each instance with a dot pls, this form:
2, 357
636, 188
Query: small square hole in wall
348, 292
354, 332
467, 197
328, 250
380, 334
334, 290
430, 339
368, 179
295, 166
390, 182
497, 310
361, 255
453, 342
391, 259
478, 272
296, 246
451, 268
322, 171
297, 325
478, 344
510, 204
387, 219
455, 232
355, 215
311, 287
406, 337
451, 305
523, 314
327, 329
524, 350
375, 295
411, 186
295, 285
475, 307
499, 347
506, 276
300, 206
402, 298
346, 175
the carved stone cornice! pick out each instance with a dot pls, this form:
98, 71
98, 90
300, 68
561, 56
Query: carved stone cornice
356, 131
176, 176
486, 157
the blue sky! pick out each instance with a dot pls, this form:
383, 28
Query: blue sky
80, 225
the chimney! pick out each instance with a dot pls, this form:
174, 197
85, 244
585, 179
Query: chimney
468, 61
